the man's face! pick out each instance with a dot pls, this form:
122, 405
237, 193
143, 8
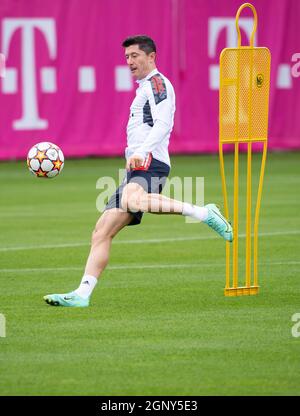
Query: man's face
140, 64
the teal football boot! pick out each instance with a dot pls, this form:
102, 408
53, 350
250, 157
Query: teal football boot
217, 222
66, 299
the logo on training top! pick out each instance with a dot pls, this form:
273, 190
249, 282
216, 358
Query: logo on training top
259, 80
159, 88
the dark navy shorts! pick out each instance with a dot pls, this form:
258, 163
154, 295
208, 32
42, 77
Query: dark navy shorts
152, 181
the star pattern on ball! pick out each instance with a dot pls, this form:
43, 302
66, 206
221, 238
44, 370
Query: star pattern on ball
41, 156
57, 164
41, 173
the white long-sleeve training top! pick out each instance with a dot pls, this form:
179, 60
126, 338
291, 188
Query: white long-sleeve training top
151, 118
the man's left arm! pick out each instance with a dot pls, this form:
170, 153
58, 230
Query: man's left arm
161, 106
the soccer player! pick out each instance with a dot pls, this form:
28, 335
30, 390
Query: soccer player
148, 165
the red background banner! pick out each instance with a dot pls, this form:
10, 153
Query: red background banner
66, 77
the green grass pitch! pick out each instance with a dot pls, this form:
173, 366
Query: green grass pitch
158, 323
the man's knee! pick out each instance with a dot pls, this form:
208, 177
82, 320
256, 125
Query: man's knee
104, 229
132, 197
100, 235
109, 224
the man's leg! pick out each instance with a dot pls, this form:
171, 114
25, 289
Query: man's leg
134, 198
108, 225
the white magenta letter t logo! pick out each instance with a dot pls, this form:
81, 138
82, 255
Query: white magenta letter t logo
30, 119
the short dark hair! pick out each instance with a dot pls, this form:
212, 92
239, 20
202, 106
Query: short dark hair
145, 43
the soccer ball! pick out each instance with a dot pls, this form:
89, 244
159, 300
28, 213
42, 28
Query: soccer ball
45, 160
